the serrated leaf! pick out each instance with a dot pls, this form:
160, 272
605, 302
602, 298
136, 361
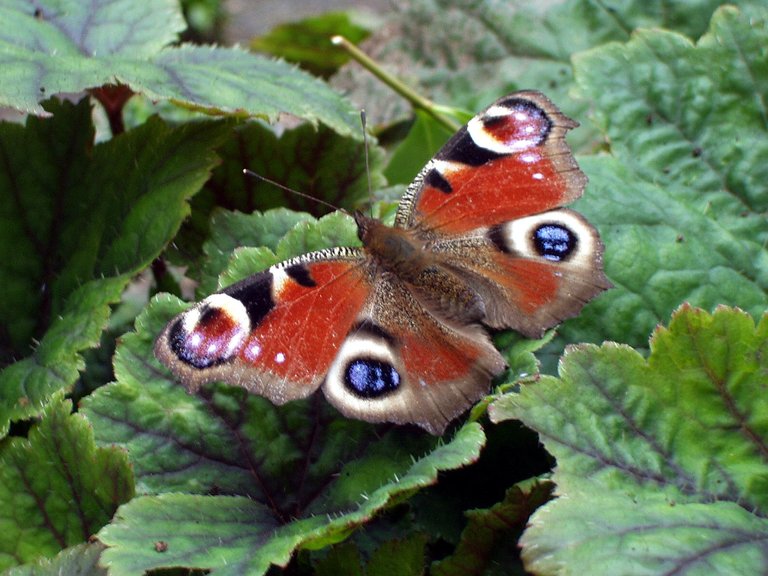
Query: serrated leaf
251, 243
57, 488
313, 161
668, 453
522, 364
681, 200
719, 538
231, 230
335, 229
78, 221
27, 385
316, 162
71, 27
400, 557
51, 47
235, 535
341, 560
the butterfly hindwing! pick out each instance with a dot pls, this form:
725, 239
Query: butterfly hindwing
531, 273
402, 364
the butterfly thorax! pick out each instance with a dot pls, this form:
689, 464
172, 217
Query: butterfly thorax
395, 250
405, 256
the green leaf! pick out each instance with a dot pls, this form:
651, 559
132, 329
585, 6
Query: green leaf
234, 81
236, 535
681, 199
522, 364
57, 488
424, 139
315, 162
335, 229
27, 385
60, 47
402, 556
308, 42
665, 456
231, 230
399, 557
245, 244
653, 536
77, 221
341, 560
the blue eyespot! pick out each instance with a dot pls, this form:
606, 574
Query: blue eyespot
554, 242
370, 378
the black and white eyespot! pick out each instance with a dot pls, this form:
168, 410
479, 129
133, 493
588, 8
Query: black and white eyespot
510, 126
366, 370
211, 333
557, 236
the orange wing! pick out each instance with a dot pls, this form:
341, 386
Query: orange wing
275, 333
509, 161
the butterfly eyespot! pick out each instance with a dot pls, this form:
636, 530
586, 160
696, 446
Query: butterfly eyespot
210, 334
554, 242
371, 378
513, 125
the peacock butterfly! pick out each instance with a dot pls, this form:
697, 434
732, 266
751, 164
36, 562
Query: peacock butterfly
396, 330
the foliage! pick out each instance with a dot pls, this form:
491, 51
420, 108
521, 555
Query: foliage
660, 448
308, 42
668, 453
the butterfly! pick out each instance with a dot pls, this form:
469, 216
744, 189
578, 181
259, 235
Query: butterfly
397, 330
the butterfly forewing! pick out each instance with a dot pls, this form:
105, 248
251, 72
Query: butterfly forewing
509, 161
274, 333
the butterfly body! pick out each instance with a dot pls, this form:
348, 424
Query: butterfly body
396, 330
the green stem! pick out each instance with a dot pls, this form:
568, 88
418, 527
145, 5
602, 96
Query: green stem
416, 100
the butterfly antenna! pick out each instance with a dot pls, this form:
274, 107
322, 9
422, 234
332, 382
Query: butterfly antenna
364, 124
248, 172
